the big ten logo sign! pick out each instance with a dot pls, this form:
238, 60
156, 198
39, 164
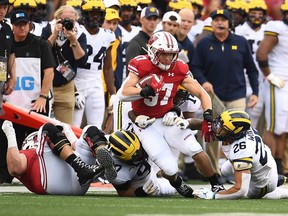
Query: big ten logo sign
24, 83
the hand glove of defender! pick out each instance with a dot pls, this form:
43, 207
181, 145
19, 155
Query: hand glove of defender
169, 118
143, 121
277, 81
150, 188
79, 101
204, 193
181, 123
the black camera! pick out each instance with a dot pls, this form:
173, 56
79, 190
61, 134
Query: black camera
67, 24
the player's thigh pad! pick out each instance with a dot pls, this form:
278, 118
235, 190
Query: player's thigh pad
183, 140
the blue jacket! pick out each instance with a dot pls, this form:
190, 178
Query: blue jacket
223, 63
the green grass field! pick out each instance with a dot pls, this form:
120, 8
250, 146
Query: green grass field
108, 203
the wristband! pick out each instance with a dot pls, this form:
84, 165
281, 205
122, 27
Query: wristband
73, 44
43, 96
263, 64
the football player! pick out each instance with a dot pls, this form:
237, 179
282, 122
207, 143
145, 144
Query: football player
253, 31
88, 81
249, 159
156, 99
40, 165
272, 59
134, 174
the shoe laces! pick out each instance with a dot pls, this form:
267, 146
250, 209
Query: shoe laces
217, 188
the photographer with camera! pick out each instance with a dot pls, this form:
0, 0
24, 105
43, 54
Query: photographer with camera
69, 45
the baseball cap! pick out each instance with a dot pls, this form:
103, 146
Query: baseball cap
110, 3
112, 14
222, 12
171, 16
19, 16
4, 2
149, 11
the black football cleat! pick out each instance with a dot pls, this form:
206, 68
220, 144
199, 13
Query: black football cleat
104, 158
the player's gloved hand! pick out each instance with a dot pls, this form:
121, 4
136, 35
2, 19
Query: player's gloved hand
181, 123
204, 193
207, 132
157, 83
67, 130
79, 101
147, 91
150, 188
111, 101
169, 118
208, 115
8, 128
277, 81
143, 121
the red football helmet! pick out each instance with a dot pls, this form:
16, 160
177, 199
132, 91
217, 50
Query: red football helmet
162, 42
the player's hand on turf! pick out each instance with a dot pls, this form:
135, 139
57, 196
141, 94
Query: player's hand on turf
143, 121
204, 193
150, 188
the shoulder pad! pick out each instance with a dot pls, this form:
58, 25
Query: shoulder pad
243, 164
181, 66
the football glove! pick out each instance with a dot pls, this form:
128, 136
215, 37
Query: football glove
169, 118
204, 193
150, 188
143, 121
208, 115
181, 123
111, 100
79, 101
147, 91
207, 132
274, 80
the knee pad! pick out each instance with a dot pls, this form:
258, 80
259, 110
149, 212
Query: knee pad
56, 139
94, 137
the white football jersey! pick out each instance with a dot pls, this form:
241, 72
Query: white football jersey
196, 30
130, 172
126, 37
96, 49
251, 149
279, 54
